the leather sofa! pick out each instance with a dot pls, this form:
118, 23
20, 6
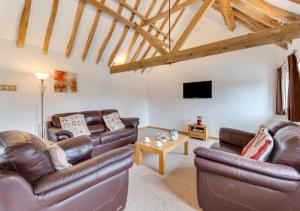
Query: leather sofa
228, 182
103, 139
28, 181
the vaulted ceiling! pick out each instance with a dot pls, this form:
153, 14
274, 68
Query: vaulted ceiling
149, 20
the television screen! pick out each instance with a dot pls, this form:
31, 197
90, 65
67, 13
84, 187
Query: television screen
197, 89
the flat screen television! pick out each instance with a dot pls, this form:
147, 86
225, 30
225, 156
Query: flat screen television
201, 89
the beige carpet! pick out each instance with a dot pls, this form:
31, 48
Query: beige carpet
176, 191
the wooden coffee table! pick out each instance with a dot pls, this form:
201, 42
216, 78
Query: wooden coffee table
161, 151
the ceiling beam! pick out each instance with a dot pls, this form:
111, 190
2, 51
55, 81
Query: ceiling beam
295, 1
50, 26
227, 13
265, 37
197, 17
123, 20
73, 35
23, 25
173, 10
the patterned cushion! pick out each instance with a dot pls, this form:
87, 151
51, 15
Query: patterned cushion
113, 122
75, 124
260, 147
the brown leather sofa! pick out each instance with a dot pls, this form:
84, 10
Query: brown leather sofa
228, 182
103, 139
28, 181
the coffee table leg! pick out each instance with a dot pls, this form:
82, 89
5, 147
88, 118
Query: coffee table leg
186, 148
138, 156
162, 163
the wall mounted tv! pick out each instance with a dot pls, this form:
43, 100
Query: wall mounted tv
201, 89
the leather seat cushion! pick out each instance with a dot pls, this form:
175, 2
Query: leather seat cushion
227, 148
95, 137
112, 136
97, 128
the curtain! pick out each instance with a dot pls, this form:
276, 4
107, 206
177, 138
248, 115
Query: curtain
279, 93
294, 89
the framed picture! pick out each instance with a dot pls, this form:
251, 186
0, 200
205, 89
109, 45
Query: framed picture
65, 81
9, 88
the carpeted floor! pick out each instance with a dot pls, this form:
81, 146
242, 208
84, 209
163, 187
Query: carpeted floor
176, 191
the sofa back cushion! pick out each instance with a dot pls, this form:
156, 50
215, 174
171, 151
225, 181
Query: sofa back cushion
94, 121
24, 154
56, 118
287, 146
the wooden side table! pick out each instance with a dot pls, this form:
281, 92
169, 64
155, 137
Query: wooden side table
198, 131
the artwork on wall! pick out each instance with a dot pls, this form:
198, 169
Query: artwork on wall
65, 81
9, 88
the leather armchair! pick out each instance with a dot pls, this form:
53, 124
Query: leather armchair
92, 183
228, 181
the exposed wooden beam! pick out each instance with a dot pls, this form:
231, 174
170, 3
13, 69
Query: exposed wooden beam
256, 14
50, 26
295, 1
197, 17
23, 25
273, 10
91, 34
123, 20
78, 15
227, 13
268, 36
173, 10
108, 36
124, 33
136, 34
137, 53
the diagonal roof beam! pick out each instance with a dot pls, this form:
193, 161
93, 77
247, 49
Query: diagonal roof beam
295, 1
227, 13
265, 37
197, 17
173, 10
23, 25
125, 21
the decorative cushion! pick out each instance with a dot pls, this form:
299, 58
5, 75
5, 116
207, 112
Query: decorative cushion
58, 156
260, 147
75, 124
113, 122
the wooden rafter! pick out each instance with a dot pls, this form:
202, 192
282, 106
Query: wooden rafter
108, 36
124, 33
295, 1
139, 49
24, 24
273, 11
91, 34
78, 15
265, 37
197, 17
256, 14
164, 14
227, 13
139, 29
50, 26
136, 34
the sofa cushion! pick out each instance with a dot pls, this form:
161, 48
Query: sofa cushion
97, 128
76, 124
95, 137
111, 136
227, 148
113, 121
287, 146
93, 117
56, 121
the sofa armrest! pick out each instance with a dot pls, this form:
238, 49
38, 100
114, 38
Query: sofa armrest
58, 134
274, 170
235, 137
130, 122
77, 149
86, 174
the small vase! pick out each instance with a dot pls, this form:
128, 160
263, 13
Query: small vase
199, 121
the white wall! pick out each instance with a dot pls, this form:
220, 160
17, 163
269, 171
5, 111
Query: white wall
97, 88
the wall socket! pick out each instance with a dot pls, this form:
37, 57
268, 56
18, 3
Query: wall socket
9, 88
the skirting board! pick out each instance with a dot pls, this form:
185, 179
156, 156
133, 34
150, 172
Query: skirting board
182, 132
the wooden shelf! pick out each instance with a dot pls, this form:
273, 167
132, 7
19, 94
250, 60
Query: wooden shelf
198, 131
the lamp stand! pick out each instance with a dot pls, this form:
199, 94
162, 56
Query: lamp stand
42, 92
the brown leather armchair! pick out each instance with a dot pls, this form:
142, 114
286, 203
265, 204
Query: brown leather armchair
28, 181
103, 140
228, 182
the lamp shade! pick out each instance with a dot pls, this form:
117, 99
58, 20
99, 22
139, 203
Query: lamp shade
42, 76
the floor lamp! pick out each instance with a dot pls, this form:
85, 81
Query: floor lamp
42, 77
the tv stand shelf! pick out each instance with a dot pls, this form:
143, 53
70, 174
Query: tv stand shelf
198, 131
